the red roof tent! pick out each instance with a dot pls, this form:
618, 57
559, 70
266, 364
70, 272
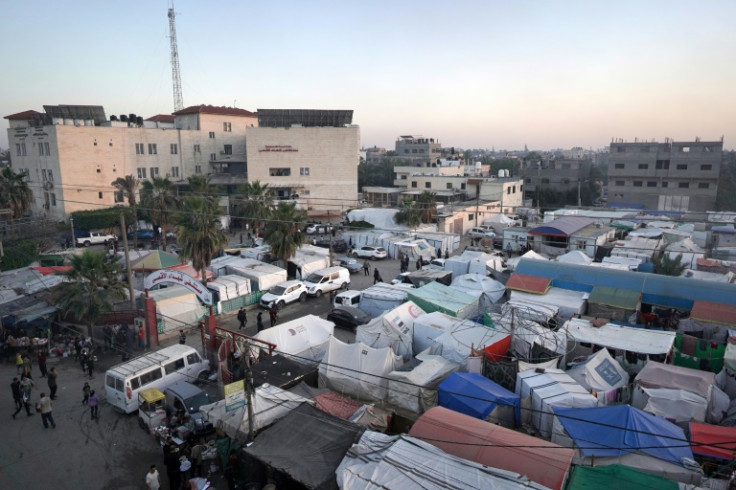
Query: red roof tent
529, 284
21, 116
492, 445
210, 109
713, 312
52, 269
189, 270
713, 440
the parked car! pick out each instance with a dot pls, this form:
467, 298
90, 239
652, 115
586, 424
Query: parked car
142, 235
94, 238
326, 280
318, 229
479, 232
338, 244
351, 264
348, 317
370, 252
185, 397
284, 293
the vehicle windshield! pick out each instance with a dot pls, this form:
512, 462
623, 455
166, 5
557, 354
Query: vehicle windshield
197, 401
277, 290
380, 249
314, 278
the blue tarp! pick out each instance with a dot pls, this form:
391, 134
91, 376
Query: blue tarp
622, 429
476, 395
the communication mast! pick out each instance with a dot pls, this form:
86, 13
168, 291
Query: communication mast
175, 74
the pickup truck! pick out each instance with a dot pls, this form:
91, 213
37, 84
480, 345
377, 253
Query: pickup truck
95, 238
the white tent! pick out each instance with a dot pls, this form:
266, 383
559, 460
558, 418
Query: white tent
416, 390
394, 329
229, 286
487, 290
381, 297
358, 370
262, 276
574, 257
305, 338
270, 403
603, 375
689, 251
566, 301
462, 337
309, 258
619, 337
527, 333
531, 254
178, 307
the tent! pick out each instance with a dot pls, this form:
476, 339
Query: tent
487, 290
262, 276
565, 302
438, 297
416, 390
379, 461
177, 306
307, 259
154, 261
614, 303
479, 397
358, 370
227, 287
430, 326
574, 257
492, 445
546, 390
611, 477
381, 297
713, 441
602, 375
283, 372
531, 341
305, 338
394, 329
626, 435
307, 446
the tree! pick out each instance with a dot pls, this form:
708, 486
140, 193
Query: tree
15, 194
199, 233
427, 204
380, 174
95, 283
200, 185
254, 204
284, 230
159, 199
668, 266
409, 214
128, 185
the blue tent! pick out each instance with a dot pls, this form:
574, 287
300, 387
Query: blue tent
619, 430
476, 395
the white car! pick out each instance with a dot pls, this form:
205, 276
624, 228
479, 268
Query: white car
370, 252
479, 232
318, 229
284, 293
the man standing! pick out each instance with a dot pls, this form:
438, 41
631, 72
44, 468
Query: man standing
27, 366
182, 337
42, 363
15, 387
242, 318
153, 479
259, 321
45, 406
93, 403
376, 276
26, 385
91, 365
366, 267
272, 315
52, 383
141, 337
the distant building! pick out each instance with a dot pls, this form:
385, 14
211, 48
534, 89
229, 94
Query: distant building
558, 174
418, 148
374, 155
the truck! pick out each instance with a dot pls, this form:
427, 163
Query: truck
94, 238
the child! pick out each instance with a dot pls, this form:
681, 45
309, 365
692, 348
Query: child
86, 389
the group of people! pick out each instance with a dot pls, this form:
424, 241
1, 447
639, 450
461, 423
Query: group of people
242, 317
181, 465
22, 390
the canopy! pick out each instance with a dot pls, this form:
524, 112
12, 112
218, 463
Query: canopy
416, 390
528, 284
282, 371
613, 336
438, 297
487, 290
562, 227
600, 373
154, 261
617, 297
714, 312
307, 445
478, 396
492, 445
305, 338
151, 395
713, 440
394, 329
611, 477
381, 297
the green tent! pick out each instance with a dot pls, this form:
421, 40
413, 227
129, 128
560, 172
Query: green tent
616, 476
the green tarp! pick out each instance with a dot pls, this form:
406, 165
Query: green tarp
616, 477
626, 299
437, 297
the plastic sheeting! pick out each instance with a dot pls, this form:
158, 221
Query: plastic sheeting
262, 276
305, 338
416, 390
438, 297
479, 397
639, 340
178, 306
394, 329
381, 297
610, 478
567, 302
600, 373
487, 290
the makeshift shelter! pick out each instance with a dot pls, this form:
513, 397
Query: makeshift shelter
358, 370
381, 297
513, 262
282, 372
306, 446
531, 342
709, 320
528, 284
696, 353
611, 477
262, 276
492, 445
155, 260
603, 375
370, 417
574, 257
479, 397
625, 435
546, 390
379, 461
177, 307
613, 303
438, 297
307, 259
416, 390
227, 287
394, 329
565, 303
305, 338
487, 290
713, 441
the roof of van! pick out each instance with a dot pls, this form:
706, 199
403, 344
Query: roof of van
184, 389
350, 293
328, 270
150, 359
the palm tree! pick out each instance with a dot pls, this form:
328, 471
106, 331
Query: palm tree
254, 204
128, 185
14, 191
409, 214
427, 204
667, 266
284, 230
199, 233
159, 198
200, 185
95, 283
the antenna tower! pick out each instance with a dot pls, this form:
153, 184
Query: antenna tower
175, 73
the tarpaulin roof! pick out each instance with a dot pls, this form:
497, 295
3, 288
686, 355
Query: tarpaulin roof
613, 477
562, 227
528, 284
713, 440
307, 445
476, 395
618, 430
154, 261
336, 404
631, 339
616, 297
658, 375
492, 445
281, 371
189, 270
52, 269
714, 312
438, 297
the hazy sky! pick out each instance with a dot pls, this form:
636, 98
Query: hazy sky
485, 73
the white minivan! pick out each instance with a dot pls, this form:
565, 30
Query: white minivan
348, 298
326, 280
159, 369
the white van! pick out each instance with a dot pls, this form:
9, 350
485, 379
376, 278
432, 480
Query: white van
325, 280
348, 298
159, 369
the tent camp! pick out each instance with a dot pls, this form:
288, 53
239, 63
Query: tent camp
487, 290
379, 461
565, 302
626, 435
358, 370
416, 390
262, 275
305, 339
548, 390
430, 326
177, 307
479, 397
492, 445
438, 297
611, 477
602, 375
394, 329
713, 441
306, 446
307, 259
531, 341
381, 297
613, 303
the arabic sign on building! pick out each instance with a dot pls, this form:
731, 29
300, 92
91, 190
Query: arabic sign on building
278, 148
178, 277
234, 396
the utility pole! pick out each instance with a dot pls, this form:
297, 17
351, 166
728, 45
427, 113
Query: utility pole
131, 291
74, 239
330, 234
248, 382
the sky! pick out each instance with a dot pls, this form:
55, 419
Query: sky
472, 74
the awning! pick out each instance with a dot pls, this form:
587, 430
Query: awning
627, 299
713, 440
529, 284
713, 312
31, 314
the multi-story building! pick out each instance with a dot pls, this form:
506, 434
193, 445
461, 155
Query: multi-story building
418, 148
558, 174
671, 176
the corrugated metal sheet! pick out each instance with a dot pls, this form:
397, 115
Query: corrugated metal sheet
714, 312
617, 297
528, 284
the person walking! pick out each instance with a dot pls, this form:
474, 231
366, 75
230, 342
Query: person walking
93, 403
86, 389
27, 366
419, 264
376, 276
141, 338
447, 253
41, 359
366, 267
272, 316
17, 396
182, 337
52, 383
45, 407
91, 365
18, 363
153, 479
26, 387
259, 321
242, 318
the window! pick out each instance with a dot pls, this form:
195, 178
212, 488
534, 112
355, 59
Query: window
99, 194
139, 149
193, 358
228, 149
174, 148
213, 156
620, 183
174, 366
150, 377
681, 166
20, 149
508, 190
227, 127
152, 150
427, 185
23, 148
305, 192
279, 172
198, 169
545, 181
43, 175
154, 172
706, 167
651, 183
51, 175
47, 148
197, 149
40, 149
118, 196
175, 172
644, 149
684, 149
471, 217
53, 198
665, 184
708, 149
413, 150
212, 135
621, 149
638, 183
663, 165
421, 150
142, 173
620, 166
304, 171
414, 184
684, 185
462, 186
135, 383
703, 185
643, 166
449, 185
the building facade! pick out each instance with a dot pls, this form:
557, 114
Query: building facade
678, 176
559, 174
418, 148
